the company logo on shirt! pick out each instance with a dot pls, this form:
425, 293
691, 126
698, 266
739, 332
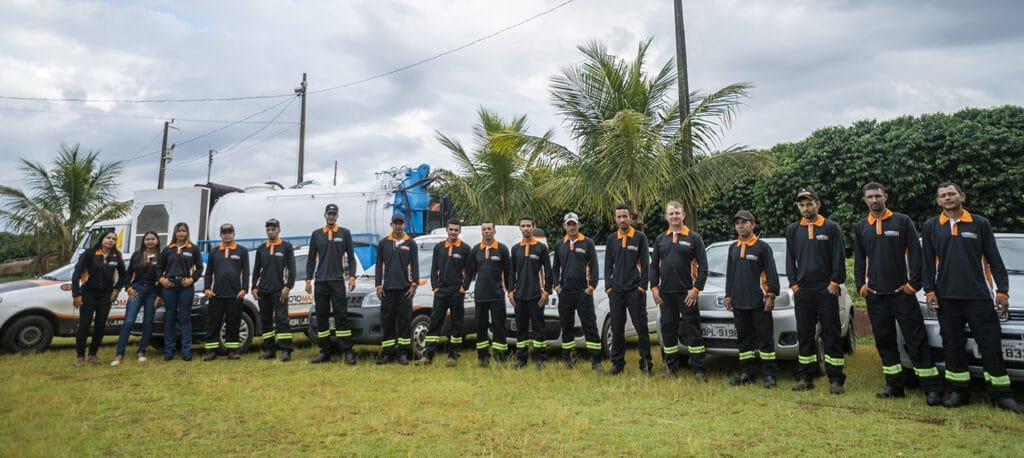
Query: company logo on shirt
821, 237
892, 233
752, 257
632, 248
279, 254
581, 251
339, 239
533, 256
456, 256
684, 242
187, 254
404, 248
235, 256
495, 258
969, 235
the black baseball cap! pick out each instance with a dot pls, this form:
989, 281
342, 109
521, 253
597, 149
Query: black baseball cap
331, 208
227, 228
807, 193
397, 217
272, 222
743, 214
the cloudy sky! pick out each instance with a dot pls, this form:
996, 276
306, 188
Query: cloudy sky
814, 64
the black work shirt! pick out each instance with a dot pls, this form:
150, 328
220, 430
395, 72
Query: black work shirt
275, 266
815, 256
961, 259
575, 264
228, 270
331, 254
490, 265
449, 266
397, 263
750, 274
626, 261
143, 271
678, 262
99, 272
531, 270
181, 261
886, 254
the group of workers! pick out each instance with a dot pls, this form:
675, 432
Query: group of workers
953, 262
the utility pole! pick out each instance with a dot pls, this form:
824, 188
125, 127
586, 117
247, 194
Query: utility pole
209, 166
163, 156
301, 90
684, 100
335, 173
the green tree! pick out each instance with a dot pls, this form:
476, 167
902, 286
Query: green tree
978, 148
62, 201
496, 180
631, 146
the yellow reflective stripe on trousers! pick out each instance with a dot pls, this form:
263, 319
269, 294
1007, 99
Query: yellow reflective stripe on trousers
269, 335
808, 359
927, 372
593, 345
766, 355
211, 345
343, 333
745, 355
324, 334
284, 336
834, 361
699, 349
539, 344
892, 370
404, 341
499, 346
671, 350
232, 345
568, 345
522, 344
1003, 380
958, 376
456, 340
482, 345
433, 339
388, 343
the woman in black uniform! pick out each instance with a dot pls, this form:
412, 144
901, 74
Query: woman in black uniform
99, 274
180, 266
142, 288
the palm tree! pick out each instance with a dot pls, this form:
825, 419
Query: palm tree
496, 181
61, 202
631, 144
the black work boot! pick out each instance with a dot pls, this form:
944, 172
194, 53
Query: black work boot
1010, 404
617, 368
323, 357
646, 366
890, 392
385, 358
567, 360
267, 354
956, 399
286, 355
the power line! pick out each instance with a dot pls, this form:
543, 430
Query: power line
228, 149
127, 116
445, 53
81, 100
243, 120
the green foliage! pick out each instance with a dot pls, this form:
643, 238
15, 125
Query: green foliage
62, 201
15, 246
981, 149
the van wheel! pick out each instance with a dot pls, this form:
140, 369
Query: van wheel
28, 334
246, 328
850, 342
420, 327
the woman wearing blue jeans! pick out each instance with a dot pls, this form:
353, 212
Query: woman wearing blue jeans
180, 266
143, 291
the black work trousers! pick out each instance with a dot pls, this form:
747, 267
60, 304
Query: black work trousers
755, 334
634, 302
530, 329
491, 315
886, 313
981, 316
331, 302
449, 304
92, 314
396, 311
226, 313
814, 306
277, 333
570, 304
673, 312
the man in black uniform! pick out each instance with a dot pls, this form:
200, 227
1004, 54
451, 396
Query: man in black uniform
273, 278
490, 264
576, 276
449, 279
679, 268
887, 270
529, 284
626, 262
751, 286
226, 282
816, 266
332, 259
397, 276
960, 254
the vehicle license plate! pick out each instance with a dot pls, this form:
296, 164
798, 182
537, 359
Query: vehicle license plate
718, 331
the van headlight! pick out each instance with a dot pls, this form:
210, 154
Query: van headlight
371, 300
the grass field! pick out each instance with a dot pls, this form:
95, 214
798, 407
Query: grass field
49, 407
